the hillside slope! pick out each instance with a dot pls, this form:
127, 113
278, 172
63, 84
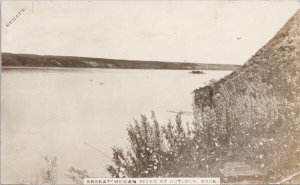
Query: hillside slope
253, 114
26, 60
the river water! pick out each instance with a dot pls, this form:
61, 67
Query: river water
79, 114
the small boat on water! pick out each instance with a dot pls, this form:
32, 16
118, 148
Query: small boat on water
197, 72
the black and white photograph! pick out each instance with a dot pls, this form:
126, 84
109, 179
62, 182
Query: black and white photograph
150, 92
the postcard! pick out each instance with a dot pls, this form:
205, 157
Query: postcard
150, 92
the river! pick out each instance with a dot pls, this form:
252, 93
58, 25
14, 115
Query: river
75, 113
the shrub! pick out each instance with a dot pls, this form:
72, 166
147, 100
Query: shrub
155, 150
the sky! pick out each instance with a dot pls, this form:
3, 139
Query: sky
228, 32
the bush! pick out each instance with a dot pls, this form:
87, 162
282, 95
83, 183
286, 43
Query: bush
155, 151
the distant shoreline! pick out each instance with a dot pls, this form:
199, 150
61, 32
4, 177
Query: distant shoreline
5, 68
30, 61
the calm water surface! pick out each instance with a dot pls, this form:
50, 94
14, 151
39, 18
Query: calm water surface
55, 112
